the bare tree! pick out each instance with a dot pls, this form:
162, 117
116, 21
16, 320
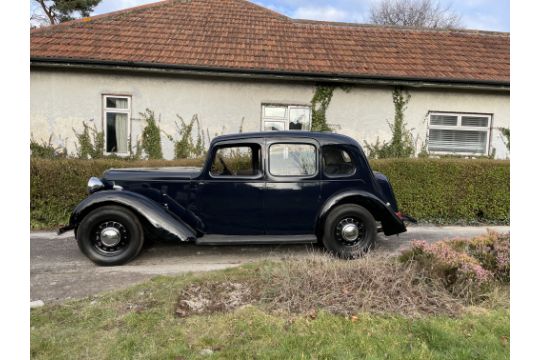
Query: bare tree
416, 13
56, 11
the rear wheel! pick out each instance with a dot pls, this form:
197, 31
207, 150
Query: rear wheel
350, 231
110, 235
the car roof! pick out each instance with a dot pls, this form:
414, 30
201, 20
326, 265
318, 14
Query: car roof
324, 136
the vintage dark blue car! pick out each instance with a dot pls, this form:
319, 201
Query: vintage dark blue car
256, 188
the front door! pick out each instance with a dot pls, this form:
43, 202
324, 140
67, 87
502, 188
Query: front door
292, 195
229, 193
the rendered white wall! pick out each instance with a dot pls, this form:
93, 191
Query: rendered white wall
61, 100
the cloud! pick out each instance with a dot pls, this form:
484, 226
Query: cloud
326, 13
480, 21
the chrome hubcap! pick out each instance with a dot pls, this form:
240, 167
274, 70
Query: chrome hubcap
110, 236
350, 232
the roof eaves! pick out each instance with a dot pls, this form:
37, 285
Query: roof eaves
269, 74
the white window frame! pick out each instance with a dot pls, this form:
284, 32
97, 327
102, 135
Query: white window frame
460, 127
116, 111
285, 120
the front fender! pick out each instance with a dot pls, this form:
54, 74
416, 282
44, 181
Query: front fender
390, 221
157, 216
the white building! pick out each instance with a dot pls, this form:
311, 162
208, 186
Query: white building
229, 61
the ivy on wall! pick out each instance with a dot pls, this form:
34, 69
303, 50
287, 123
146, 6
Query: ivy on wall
91, 142
402, 143
319, 104
151, 136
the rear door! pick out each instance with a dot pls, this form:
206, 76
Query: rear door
292, 195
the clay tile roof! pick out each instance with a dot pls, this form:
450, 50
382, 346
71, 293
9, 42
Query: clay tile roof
236, 35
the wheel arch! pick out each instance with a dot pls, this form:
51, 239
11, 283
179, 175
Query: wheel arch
153, 217
381, 212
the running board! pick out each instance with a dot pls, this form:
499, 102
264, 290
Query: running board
255, 239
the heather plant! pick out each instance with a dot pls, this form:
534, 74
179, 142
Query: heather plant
466, 267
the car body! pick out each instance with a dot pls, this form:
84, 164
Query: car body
265, 187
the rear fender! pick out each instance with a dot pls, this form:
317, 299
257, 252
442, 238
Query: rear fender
381, 211
163, 221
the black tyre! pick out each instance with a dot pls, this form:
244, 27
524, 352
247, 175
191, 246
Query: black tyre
349, 231
110, 235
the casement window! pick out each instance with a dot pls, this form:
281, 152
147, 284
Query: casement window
286, 117
117, 124
454, 133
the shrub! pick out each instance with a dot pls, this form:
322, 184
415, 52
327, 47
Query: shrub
151, 136
466, 267
91, 142
46, 149
437, 190
450, 190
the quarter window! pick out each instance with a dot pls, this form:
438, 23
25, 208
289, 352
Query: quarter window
286, 117
293, 160
459, 133
116, 116
236, 161
337, 161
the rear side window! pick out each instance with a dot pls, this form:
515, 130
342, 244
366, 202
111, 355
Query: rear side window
237, 160
293, 160
337, 161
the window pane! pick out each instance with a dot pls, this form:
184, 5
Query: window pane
275, 111
446, 120
293, 160
117, 133
457, 141
337, 162
274, 126
299, 118
116, 103
476, 121
236, 161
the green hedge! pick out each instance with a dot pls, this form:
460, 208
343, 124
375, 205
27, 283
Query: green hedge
450, 191
446, 191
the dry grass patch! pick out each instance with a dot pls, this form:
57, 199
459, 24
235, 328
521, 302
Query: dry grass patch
408, 285
373, 284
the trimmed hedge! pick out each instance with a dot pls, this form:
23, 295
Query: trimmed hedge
450, 191
446, 191
57, 186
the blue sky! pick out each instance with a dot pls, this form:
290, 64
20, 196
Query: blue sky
476, 14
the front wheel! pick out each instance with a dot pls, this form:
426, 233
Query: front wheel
349, 231
110, 235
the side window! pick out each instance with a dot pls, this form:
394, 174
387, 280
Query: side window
337, 161
236, 160
293, 160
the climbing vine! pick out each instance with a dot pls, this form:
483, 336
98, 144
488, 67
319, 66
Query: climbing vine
319, 104
402, 142
186, 147
506, 134
91, 142
151, 136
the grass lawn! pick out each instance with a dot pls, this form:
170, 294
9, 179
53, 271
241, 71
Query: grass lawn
140, 323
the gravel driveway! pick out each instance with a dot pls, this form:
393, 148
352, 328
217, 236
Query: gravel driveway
58, 271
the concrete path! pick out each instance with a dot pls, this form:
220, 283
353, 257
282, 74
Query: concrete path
58, 270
